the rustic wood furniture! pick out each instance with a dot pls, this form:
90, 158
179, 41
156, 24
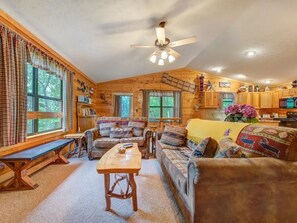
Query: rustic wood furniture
85, 120
20, 162
129, 164
171, 121
80, 143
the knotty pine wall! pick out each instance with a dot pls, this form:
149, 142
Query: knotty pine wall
135, 85
37, 140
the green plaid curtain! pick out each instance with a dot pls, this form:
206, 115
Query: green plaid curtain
13, 88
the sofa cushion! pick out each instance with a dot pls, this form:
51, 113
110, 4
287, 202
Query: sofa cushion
105, 128
267, 141
174, 135
229, 149
117, 132
138, 140
176, 164
105, 142
166, 146
211, 147
137, 127
200, 148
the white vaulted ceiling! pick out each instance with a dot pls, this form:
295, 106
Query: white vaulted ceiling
96, 35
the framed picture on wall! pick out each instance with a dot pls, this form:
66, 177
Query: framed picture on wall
224, 84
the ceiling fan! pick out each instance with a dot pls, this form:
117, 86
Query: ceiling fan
164, 46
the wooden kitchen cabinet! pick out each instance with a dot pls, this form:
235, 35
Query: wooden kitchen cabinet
244, 98
256, 99
285, 93
266, 99
275, 99
293, 92
211, 99
249, 98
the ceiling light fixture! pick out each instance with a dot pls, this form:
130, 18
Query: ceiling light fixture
161, 62
240, 76
267, 81
153, 58
217, 69
250, 53
171, 58
164, 55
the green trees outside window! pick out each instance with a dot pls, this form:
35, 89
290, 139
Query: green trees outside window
45, 101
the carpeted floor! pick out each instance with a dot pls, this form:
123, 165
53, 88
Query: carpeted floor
75, 193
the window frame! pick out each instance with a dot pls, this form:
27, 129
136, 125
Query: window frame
115, 95
153, 119
35, 115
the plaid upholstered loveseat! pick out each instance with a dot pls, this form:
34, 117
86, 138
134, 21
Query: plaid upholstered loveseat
113, 130
258, 188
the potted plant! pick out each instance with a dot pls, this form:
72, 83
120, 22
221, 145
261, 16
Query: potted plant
241, 113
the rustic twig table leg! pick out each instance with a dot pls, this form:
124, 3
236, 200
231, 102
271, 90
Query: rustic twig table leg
107, 185
134, 191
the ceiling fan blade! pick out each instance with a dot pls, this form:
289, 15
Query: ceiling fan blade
174, 53
160, 32
183, 41
142, 46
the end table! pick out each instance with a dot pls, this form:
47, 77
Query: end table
80, 143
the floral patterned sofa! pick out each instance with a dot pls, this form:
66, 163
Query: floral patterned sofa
113, 130
259, 188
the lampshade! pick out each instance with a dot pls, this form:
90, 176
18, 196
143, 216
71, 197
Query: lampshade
164, 54
161, 62
153, 58
171, 58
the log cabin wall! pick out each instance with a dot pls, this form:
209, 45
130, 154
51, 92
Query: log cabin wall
5, 19
135, 85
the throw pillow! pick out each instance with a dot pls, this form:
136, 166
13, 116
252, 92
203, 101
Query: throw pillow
127, 132
116, 132
137, 128
200, 148
174, 135
105, 128
211, 147
229, 149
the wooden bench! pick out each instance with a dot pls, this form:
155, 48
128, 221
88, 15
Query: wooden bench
20, 162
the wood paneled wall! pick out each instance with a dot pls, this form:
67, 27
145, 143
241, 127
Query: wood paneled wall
135, 85
37, 140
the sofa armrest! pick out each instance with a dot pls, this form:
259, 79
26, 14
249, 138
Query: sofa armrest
158, 134
91, 135
206, 171
147, 133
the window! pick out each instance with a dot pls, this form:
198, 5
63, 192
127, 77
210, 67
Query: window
227, 99
123, 105
164, 105
45, 101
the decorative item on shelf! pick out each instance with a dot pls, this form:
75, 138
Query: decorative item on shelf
242, 88
251, 88
257, 88
294, 84
241, 113
224, 84
267, 88
83, 99
178, 83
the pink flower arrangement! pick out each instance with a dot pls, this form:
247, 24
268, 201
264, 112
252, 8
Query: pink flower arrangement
241, 113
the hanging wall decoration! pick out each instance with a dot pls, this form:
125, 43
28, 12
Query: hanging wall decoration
178, 83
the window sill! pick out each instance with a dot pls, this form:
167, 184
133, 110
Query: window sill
46, 133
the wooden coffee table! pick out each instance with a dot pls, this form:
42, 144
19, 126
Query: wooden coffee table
115, 163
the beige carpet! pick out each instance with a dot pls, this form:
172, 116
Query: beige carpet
74, 193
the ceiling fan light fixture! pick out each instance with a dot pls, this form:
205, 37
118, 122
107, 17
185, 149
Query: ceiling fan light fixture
164, 55
171, 58
161, 62
153, 58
